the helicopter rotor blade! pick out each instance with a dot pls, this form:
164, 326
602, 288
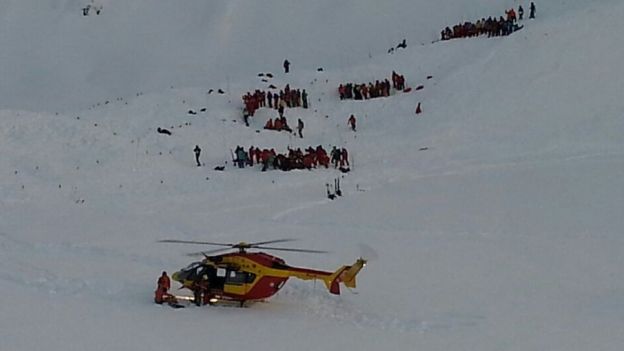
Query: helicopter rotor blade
206, 253
291, 250
173, 241
271, 242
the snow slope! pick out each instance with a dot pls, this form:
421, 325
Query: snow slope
503, 234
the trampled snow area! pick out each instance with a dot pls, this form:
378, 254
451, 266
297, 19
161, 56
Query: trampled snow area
503, 233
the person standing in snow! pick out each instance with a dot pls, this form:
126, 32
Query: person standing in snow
335, 156
164, 281
197, 151
532, 10
351, 122
304, 98
286, 66
161, 295
520, 12
241, 156
300, 127
344, 157
246, 117
201, 289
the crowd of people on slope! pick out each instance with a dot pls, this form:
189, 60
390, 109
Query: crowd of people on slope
492, 27
292, 159
370, 91
286, 97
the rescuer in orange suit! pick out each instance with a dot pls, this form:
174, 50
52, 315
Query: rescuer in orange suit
161, 294
164, 281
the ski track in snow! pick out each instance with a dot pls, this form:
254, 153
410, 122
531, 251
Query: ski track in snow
304, 206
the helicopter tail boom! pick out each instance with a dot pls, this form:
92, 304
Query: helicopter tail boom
344, 274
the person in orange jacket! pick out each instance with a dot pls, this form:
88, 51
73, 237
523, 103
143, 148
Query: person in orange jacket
269, 124
161, 295
164, 281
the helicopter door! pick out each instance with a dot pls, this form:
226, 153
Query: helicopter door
219, 280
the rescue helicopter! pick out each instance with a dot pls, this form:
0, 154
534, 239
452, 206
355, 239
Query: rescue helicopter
242, 277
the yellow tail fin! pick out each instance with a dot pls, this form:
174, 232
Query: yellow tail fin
346, 275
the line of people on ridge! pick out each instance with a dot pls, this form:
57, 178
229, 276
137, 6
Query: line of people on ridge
286, 97
491, 26
369, 91
293, 159
363, 91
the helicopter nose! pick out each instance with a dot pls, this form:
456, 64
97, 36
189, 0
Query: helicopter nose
176, 276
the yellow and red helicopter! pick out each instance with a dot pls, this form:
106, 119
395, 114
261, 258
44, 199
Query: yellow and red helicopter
243, 276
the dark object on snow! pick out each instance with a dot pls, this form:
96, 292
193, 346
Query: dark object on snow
203, 110
320, 69
407, 90
272, 86
402, 45
337, 186
260, 74
532, 10
420, 87
269, 75
163, 131
210, 91
423, 149
219, 168
329, 194
191, 112
344, 169
221, 91
418, 109
429, 77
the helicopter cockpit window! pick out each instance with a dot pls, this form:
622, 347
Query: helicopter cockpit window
221, 272
192, 266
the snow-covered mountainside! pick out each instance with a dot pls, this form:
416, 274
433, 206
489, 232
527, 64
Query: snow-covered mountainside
492, 219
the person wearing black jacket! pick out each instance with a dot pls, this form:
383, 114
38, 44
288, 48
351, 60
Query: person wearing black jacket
197, 151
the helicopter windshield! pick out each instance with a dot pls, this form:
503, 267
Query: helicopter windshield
192, 266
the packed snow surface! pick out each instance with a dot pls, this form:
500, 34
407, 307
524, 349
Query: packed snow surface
493, 220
